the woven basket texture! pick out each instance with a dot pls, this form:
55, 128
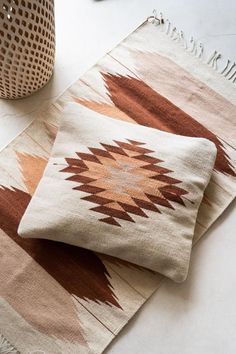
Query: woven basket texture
27, 46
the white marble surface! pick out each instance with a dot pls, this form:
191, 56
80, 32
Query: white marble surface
198, 316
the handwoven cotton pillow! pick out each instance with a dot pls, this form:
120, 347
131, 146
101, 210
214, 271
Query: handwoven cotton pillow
122, 189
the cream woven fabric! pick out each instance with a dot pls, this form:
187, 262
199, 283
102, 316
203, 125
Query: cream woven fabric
121, 189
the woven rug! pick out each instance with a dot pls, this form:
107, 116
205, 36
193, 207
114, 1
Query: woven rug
56, 298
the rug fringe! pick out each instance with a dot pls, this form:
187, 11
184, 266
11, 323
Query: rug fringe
194, 47
6, 347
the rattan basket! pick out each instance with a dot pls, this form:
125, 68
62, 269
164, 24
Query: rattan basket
27, 46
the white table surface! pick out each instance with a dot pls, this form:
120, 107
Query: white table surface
198, 316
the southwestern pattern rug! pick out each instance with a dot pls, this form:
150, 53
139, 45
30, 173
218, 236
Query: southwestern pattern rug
56, 298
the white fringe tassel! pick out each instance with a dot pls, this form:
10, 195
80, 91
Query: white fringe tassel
6, 347
194, 47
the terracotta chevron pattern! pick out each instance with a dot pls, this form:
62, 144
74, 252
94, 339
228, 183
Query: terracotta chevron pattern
86, 264
123, 179
138, 100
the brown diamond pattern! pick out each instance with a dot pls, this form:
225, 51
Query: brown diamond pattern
123, 180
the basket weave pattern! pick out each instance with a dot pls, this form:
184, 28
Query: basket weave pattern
27, 46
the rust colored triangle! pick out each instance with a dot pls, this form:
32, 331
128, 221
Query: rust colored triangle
113, 213
166, 179
135, 142
148, 159
110, 221
146, 205
88, 157
115, 149
160, 201
100, 152
128, 146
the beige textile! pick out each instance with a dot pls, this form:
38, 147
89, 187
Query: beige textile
122, 189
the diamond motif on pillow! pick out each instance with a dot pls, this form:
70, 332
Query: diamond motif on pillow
124, 180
